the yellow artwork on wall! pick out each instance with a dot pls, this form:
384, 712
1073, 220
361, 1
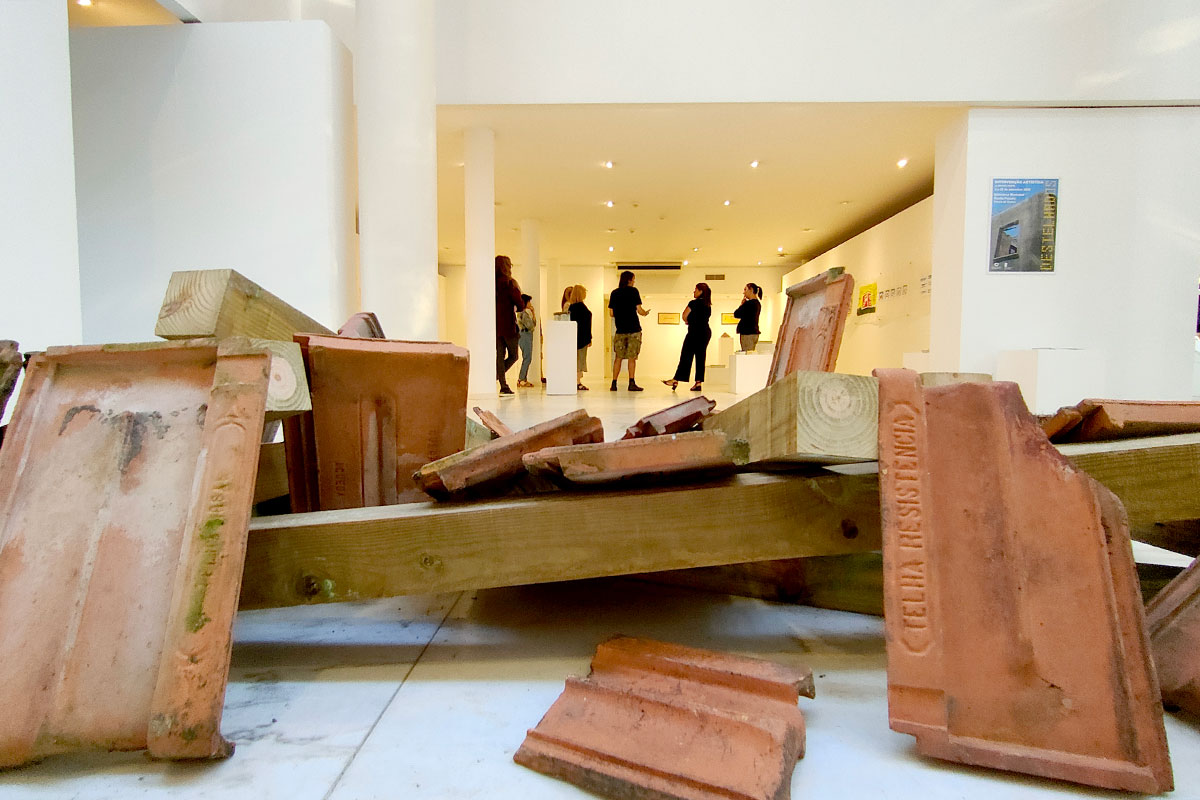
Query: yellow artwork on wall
728, 319
665, 318
868, 296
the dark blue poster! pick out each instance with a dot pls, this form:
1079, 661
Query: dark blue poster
1024, 219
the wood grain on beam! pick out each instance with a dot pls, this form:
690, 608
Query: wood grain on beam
438, 547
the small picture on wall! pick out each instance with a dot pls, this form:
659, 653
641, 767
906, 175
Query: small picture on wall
668, 319
728, 319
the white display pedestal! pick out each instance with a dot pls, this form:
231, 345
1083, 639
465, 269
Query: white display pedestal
748, 372
1053, 377
558, 356
726, 345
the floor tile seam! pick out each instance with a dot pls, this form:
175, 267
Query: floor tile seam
367, 736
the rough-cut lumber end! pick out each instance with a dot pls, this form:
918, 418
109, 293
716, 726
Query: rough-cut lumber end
222, 302
287, 390
821, 417
984, 520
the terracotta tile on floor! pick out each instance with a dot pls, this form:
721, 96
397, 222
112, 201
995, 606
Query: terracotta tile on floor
1173, 618
659, 720
1016, 632
492, 422
1123, 419
128, 479
810, 332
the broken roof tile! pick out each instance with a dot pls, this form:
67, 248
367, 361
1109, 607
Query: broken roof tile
653, 456
674, 419
1015, 632
810, 333
500, 460
659, 720
1173, 619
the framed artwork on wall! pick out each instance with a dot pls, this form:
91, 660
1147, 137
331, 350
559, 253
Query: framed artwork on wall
668, 318
728, 319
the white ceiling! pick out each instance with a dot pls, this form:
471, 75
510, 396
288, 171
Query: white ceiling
826, 172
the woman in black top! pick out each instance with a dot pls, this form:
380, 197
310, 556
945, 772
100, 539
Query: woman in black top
695, 343
582, 315
747, 317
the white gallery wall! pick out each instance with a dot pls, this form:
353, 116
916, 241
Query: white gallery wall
1127, 252
39, 261
212, 146
896, 255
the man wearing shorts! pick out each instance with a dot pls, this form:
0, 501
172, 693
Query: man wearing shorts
625, 304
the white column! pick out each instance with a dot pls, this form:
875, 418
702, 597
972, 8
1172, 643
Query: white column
39, 252
530, 280
395, 92
479, 194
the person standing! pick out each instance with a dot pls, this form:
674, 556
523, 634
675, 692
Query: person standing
508, 302
625, 305
582, 316
526, 322
747, 316
695, 342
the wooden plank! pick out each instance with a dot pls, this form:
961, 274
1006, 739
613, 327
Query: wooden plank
434, 547
1155, 478
223, 302
822, 417
272, 479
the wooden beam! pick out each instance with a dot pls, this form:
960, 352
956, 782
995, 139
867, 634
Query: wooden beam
438, 547
222, 302
287, 389
822, 417
272, 479
1156, 478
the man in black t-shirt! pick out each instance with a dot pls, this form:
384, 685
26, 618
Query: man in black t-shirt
625, 304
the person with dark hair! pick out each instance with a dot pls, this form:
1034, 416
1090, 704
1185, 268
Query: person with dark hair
695, 342
526, 322
582, 316
747, 317
625, 305
508, 302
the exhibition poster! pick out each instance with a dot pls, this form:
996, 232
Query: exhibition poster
1024, 218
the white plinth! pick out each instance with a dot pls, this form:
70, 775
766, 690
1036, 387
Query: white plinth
748, 372
558, 342
1053, 377
726, 344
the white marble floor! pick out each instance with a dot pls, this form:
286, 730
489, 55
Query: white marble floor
429, 697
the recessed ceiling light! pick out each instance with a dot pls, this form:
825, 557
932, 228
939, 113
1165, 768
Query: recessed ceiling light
808, 230
781, 249
609, 204
84, 2
608, 165
902, 163
685, 262
754, 165
610, 248
845, 203
726, 202
695, 249
760, 263
612, 230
